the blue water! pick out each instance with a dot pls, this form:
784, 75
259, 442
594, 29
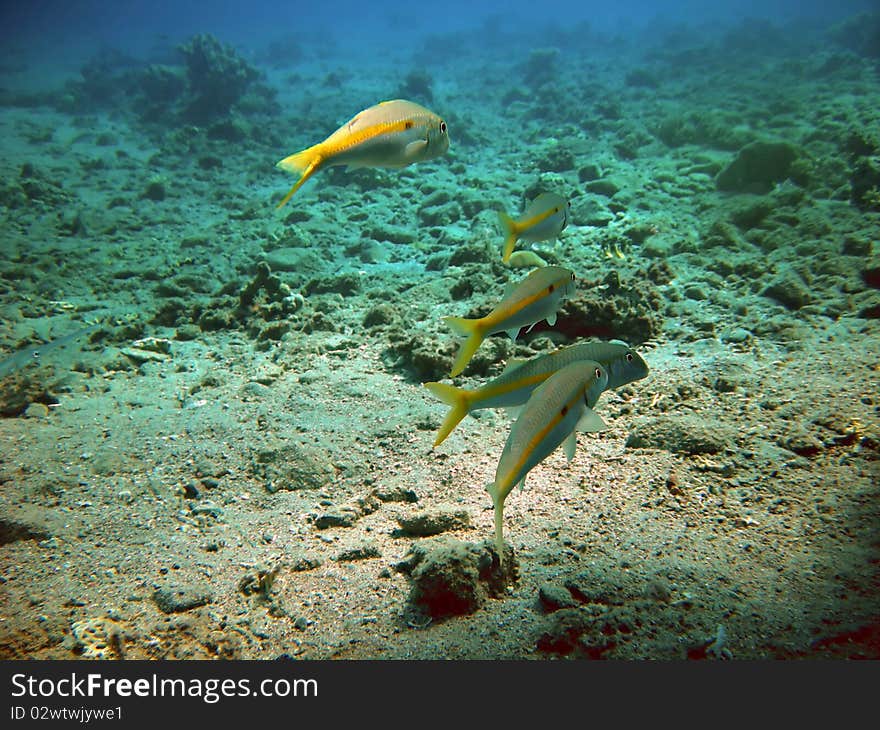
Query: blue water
51, 26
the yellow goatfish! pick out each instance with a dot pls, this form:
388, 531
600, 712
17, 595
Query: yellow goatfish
390, 134
536, 297
519, 380
543, 219
559, 407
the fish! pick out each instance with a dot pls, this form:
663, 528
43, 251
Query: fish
538, 296
392, 133
559, 407
516, 384
525, 260
27, 355
544, 218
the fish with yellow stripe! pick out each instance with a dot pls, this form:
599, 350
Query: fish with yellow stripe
520, 379
538, 296
544, 218
558, 408
392, 133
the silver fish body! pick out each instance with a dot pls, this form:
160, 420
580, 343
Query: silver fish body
558, 408
517, 383
543, 219
29, 355
535, 298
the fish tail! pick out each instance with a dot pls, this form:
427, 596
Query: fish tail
451, 396
469, 328
511, 233
498, 501
304, 163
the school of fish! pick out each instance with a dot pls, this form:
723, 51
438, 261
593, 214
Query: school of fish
555, 394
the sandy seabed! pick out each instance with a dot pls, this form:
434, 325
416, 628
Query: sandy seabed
220, 474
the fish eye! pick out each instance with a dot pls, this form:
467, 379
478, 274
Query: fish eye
629, 357
442, 127
598, 372
572, 276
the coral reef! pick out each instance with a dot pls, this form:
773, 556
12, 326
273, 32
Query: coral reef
218, 77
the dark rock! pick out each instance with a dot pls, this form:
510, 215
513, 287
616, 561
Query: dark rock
344, 284
800, 441
441, 215
380, 315
603, 187
555, 158
155, 190
865, 184
750, 214
871, 277
453, 578
593, 586
361, 551
178, 597
855, 246
300, 562
789, 290
293, 259
345, 517
187, 332
470, 254
435, 521
396, 494
12, 531
391, 234
757, 168
554, 597
588, 211
579, 631
684, 434
589, 172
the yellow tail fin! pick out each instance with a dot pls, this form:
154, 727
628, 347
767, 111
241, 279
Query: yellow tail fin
304, 163
469, 328
511, 233
451, 396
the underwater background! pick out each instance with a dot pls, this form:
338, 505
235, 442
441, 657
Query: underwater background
215, 441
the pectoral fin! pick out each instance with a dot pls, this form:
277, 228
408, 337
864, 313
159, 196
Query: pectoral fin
512, 333
414, 150
590, 422
513, 412
570, 445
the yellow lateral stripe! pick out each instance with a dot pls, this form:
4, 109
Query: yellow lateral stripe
533, 444
528, 301
510, 387
367, 133
540, 218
